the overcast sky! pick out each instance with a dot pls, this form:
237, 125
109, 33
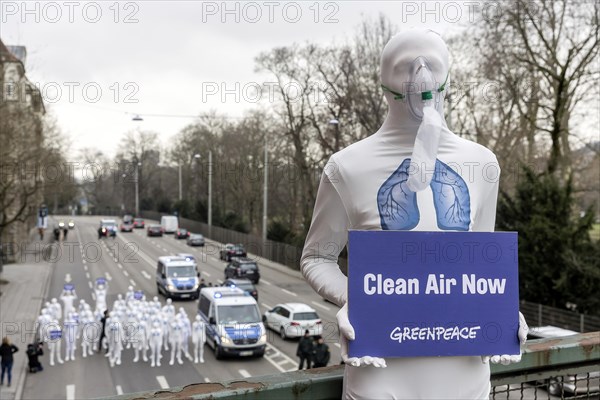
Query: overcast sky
163, 57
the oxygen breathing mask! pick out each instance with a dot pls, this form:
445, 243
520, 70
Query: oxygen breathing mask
421, 90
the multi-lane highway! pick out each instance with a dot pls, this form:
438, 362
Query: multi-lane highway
130, 260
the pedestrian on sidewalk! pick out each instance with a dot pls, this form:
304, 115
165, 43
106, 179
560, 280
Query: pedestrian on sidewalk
7, 350
321, 353
305, 350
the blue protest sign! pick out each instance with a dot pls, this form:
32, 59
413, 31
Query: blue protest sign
69, 286
414, 294
55, 334
138, 294
100, 281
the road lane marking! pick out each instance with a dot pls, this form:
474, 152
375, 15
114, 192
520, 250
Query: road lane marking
87, 275
146, 275
244, 373
206, 380
205, 273
83, 260
90, 285
277, 364
337, 344
265, 281
119, 389
220, 282
132, 282
288, 292
162, 381
85, 267
108, 276
268, 307
70, 392
321, 305
94, 296
67, 277
119, 265
125, 273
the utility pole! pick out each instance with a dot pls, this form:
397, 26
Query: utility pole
210, 172
137, 189
265, 193
180, 190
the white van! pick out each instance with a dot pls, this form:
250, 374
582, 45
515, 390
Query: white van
177, 277
233, 322
169, 223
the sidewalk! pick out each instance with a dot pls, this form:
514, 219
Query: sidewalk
20, 304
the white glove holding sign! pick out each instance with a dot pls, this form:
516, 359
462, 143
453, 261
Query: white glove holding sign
506, 359
346, 334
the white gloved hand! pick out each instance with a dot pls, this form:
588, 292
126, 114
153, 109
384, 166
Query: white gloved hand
347, 333
506, 359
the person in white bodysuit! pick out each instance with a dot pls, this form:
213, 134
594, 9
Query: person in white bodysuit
53, 336
155, 344
198, 339
140, 338
400, 178
70, 327
89, 331
187, 331
55, 309
42, 322
68, 297
114, 336
101, 291
176, 339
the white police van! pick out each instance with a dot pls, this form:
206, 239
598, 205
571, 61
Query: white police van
233, 322
177, 277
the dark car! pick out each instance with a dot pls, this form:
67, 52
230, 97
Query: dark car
245, 284
242, 267
181, 234
108, 227
195, 239
154, 230
232, 250
138, 223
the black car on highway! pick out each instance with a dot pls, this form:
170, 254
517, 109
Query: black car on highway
195, 239
242, 267
181, 234
154, 230
232, 250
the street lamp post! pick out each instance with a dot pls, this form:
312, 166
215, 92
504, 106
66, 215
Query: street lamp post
210, 173
180, 190
210, 192
265, 194
137, 189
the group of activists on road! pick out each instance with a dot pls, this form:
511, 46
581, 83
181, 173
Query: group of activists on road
145, 326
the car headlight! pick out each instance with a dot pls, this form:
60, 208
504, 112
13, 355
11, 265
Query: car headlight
226, 340
263, 338
196, 286
171, 287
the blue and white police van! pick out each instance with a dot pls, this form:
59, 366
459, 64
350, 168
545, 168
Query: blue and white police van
177, 277
233, 322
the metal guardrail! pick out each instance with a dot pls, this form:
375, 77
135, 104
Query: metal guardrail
556, 364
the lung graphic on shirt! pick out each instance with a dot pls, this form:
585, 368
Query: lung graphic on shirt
397, 204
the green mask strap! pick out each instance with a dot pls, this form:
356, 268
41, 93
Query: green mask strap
424, 95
